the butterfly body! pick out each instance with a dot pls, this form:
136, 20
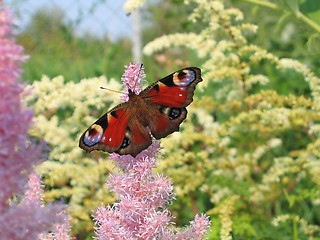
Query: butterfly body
159, 109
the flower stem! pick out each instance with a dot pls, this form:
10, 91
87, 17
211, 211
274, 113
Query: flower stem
295, 230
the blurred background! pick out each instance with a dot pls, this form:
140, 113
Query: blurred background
77, 38
84, 39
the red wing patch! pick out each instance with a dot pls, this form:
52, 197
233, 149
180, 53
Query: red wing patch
159, 125
139, 136
117, 126
107, 133
160, 122
169, 96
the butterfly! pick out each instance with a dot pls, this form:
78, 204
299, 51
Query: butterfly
159, 109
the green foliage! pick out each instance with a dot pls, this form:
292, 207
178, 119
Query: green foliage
56, 49
288, 28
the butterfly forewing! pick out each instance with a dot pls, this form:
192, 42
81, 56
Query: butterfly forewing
108, 132
175, 90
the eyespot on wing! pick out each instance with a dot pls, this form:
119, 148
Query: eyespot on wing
184, 77
93, 135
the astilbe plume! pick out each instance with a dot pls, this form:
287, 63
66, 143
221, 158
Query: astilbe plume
20, 218
33, 197
132, 79
140, 212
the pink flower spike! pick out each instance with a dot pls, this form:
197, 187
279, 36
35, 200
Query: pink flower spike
62, 230
21, 217
35, 190
132, 79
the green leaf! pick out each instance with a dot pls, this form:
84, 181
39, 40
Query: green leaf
312, 9
293, 5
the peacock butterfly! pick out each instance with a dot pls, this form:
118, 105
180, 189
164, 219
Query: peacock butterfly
160, 108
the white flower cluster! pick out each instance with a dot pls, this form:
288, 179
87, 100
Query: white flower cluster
309, 76
308, 229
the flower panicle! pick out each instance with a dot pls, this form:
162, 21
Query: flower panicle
18, 154
34, 192
132, 79
22, 217
34, 198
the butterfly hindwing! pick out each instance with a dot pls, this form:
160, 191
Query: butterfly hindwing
119, 130
167, 120
137, 138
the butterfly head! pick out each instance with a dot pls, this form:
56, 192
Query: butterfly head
131, 93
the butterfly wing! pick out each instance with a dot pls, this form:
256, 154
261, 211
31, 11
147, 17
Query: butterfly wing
169, 98
108, 132
137, 138
118, 131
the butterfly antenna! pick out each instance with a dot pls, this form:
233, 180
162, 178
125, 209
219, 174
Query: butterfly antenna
111, 90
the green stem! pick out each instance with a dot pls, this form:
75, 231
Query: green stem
265, 4
295, 230
309, 22
300, 15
